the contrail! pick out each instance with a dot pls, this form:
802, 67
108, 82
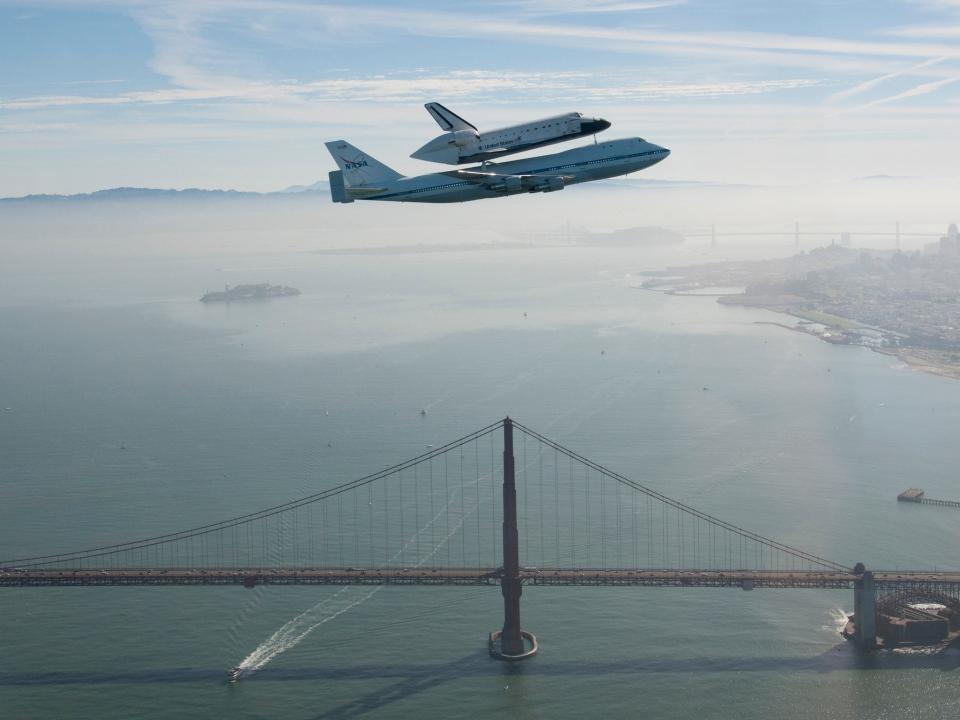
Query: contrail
874, 82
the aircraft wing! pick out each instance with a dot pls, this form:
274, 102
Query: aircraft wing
492, 178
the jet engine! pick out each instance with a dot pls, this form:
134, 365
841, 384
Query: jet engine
554, 183
511, 185
551, 185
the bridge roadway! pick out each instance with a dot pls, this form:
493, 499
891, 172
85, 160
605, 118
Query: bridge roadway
746, 579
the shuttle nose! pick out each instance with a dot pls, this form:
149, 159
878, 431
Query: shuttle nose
594, 126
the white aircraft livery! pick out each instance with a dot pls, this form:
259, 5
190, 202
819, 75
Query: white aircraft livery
360, 177
463, 143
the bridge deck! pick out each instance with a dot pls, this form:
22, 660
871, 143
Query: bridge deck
746, 579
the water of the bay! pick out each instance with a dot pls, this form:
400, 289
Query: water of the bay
127, 408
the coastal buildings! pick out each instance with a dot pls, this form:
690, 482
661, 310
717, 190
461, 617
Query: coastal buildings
948, 245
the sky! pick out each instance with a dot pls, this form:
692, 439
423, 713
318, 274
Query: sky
243, 93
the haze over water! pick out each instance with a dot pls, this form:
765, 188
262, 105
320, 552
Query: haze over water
134, 410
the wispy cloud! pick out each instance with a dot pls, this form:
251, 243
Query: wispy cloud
923, 89
465, 85
640, 39
946, 32
875, 82
182, 47
580, 7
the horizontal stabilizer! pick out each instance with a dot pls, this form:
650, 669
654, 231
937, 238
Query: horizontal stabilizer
338, 192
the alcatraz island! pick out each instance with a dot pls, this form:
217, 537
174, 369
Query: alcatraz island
243, 293
905, 304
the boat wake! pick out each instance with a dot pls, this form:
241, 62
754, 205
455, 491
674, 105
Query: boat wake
293, 632
346, 598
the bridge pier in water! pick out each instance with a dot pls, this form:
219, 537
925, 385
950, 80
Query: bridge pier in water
864, 609
511, 637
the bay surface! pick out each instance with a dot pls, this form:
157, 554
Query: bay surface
135, 410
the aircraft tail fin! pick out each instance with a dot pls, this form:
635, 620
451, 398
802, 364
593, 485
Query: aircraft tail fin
358, 168
447, 119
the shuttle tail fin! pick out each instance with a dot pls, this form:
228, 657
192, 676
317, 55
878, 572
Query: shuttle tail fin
447, 119
358, 168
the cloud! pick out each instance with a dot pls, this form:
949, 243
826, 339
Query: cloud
580, 7
923, 89
640, 39
947, 32
185, 54
465, 85
870, 84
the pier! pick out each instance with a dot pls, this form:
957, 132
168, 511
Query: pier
915, 495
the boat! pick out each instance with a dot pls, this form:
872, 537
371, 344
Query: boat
233, 674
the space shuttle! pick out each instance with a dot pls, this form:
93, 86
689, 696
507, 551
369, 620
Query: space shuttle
462, 142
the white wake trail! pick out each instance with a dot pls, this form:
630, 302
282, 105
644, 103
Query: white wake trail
296, 630
291, 633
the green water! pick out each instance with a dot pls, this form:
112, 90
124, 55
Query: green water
135, 410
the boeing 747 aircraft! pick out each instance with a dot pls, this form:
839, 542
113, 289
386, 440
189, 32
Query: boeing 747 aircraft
463, 143
361, 177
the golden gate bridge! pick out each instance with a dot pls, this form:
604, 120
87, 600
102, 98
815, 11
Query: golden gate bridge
503, 505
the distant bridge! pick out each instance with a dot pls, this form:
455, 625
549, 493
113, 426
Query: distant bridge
796, 233
457, 515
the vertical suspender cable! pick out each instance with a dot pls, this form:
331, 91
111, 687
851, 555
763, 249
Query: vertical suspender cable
493, 501
476, 463
556, 506
573, 521
403, 535
447, 501
416, 512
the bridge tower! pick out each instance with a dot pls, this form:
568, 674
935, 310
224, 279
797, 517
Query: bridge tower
864, 608
511, 638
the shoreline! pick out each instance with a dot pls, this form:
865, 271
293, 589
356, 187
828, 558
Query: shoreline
907, 355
